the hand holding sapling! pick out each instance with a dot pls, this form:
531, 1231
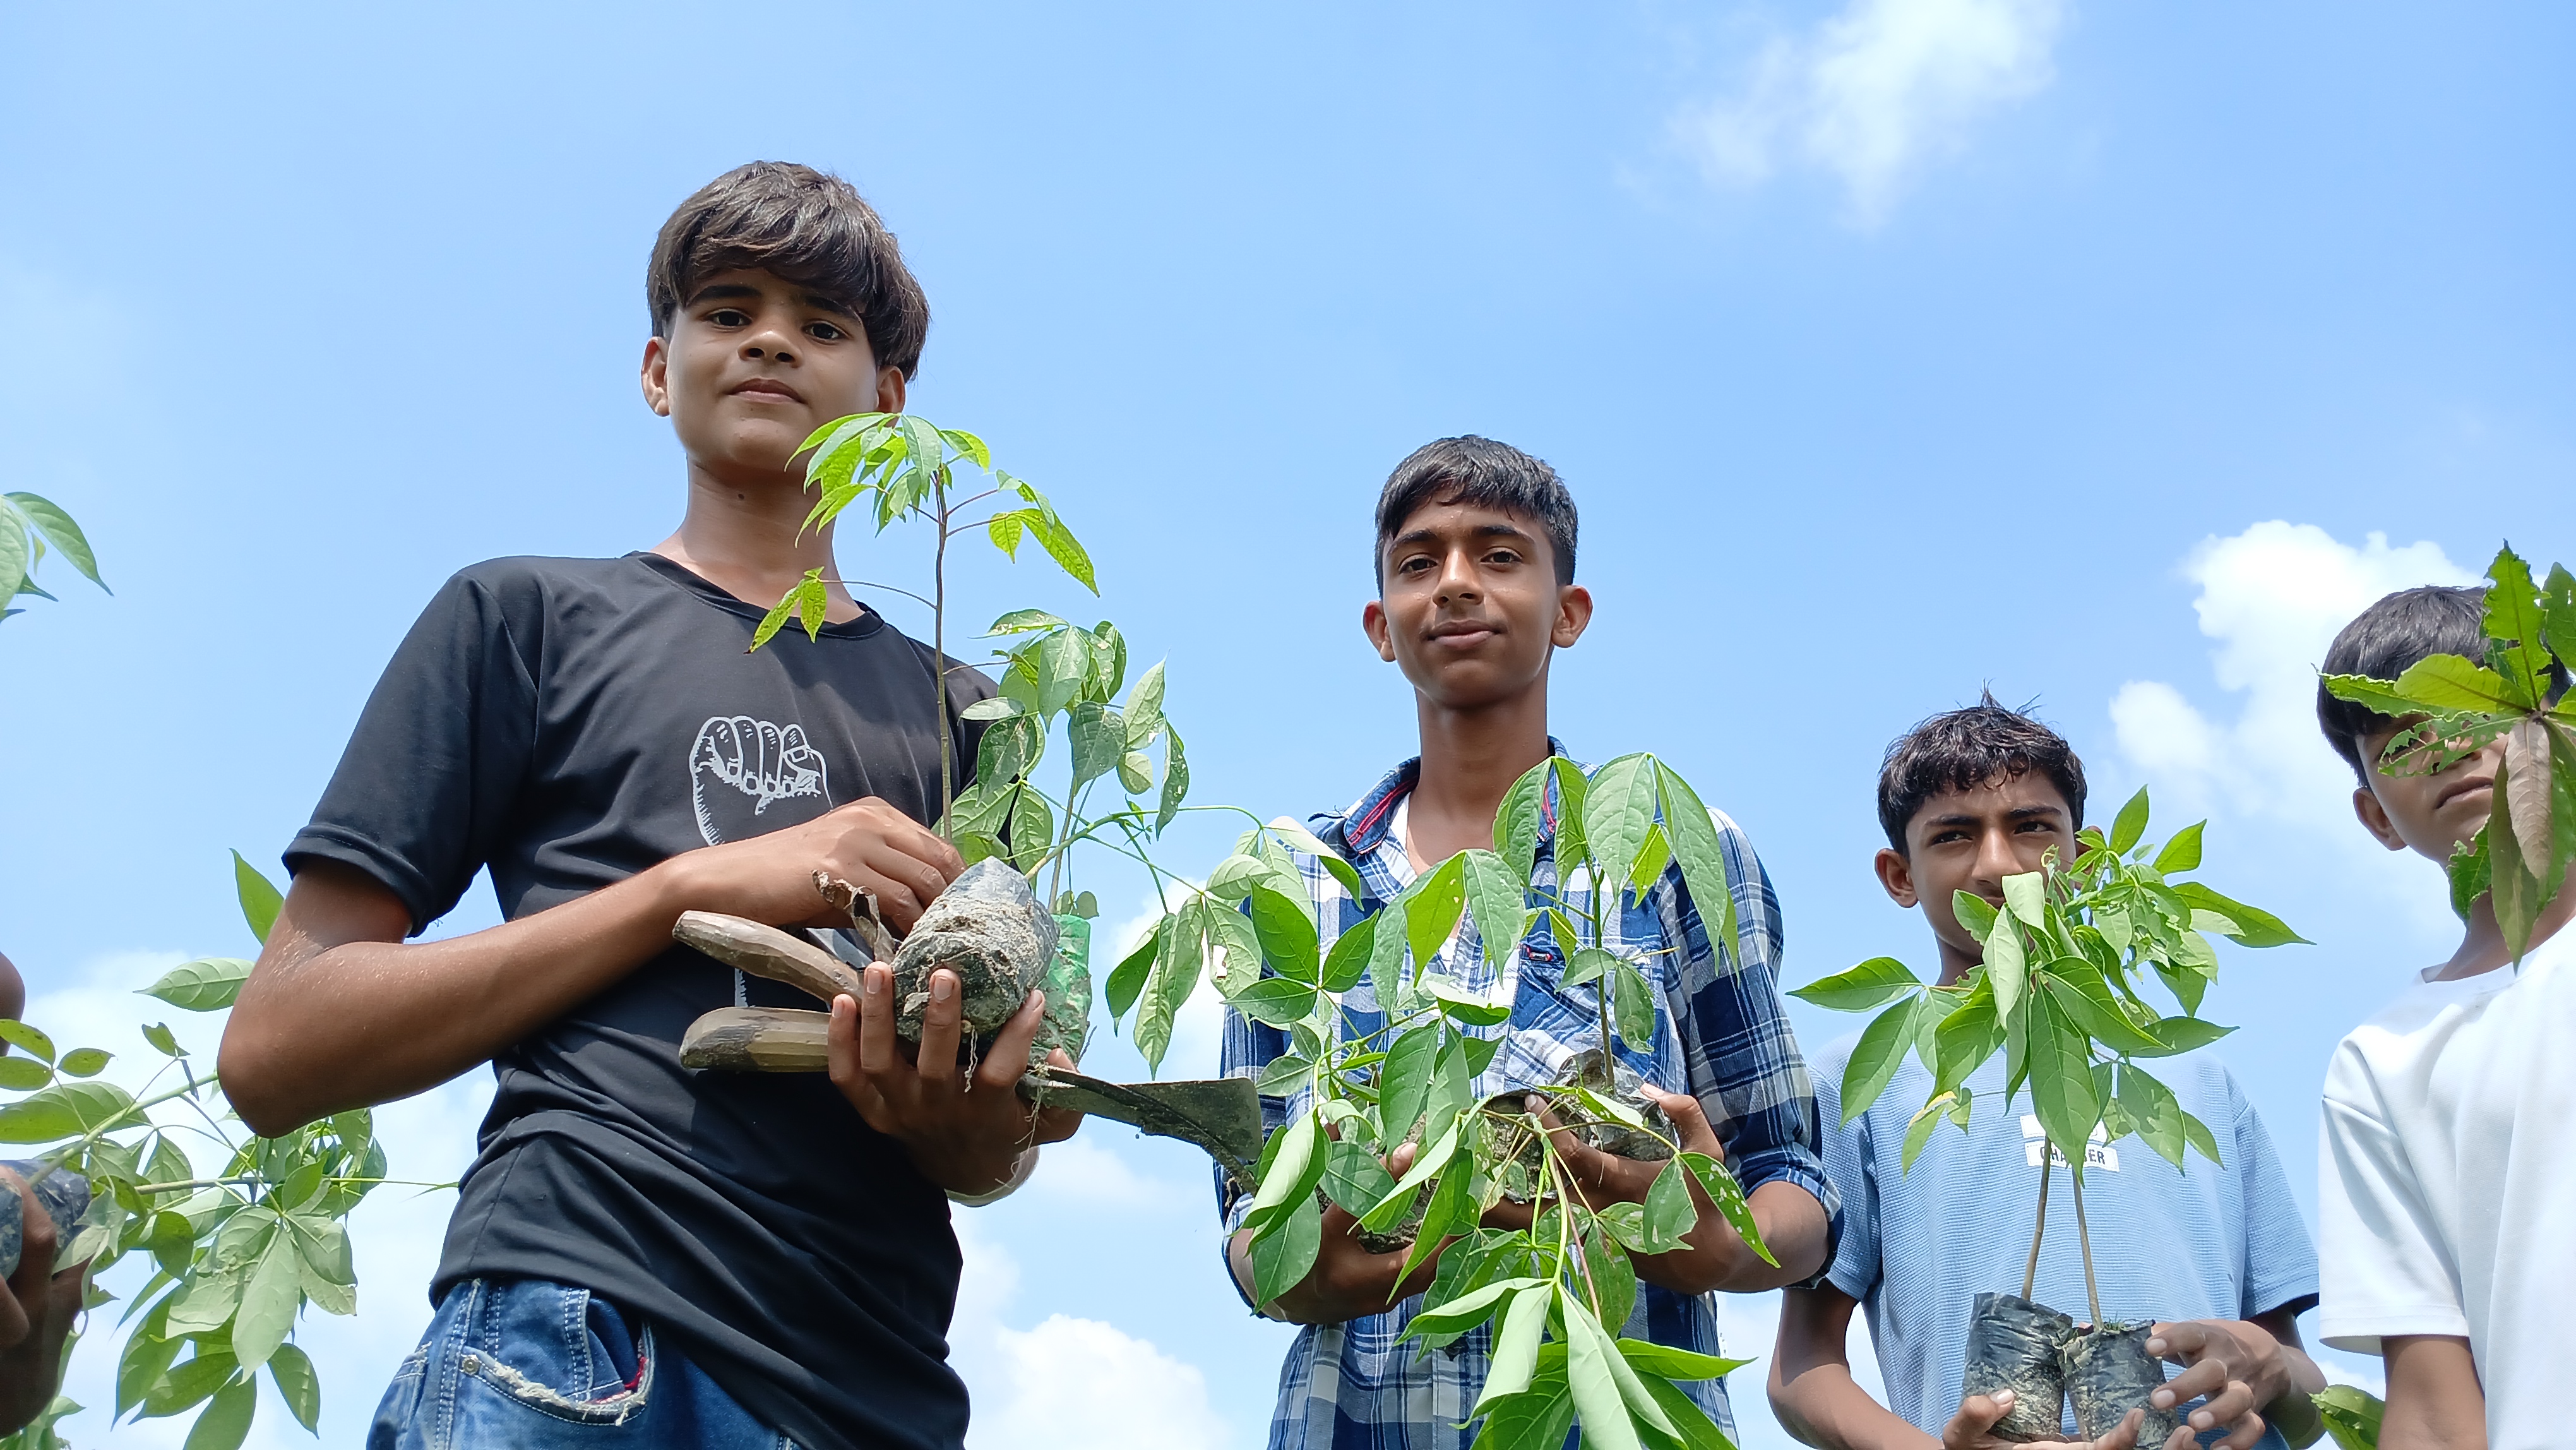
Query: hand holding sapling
963, 1124
1974, 1428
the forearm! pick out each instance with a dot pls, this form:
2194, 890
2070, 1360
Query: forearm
1811, 1385
1793, 1228
323, 1026
1824, 1406
2434, 1399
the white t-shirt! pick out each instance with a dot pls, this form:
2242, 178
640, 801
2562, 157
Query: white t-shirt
2446, 1199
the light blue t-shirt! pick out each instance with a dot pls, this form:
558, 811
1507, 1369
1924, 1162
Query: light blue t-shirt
2204, 1242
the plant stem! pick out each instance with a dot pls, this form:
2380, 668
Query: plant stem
2084, 1240
2030, 1272
939, 654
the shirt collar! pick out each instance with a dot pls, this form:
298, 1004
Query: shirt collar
1362, 829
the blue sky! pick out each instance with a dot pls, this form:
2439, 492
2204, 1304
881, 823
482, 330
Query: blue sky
1891, 347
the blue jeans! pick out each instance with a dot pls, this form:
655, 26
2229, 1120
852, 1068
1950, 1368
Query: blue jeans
533, 1365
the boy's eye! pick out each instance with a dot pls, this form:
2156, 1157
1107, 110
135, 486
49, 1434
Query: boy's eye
824, 332
729, 317
1414, 565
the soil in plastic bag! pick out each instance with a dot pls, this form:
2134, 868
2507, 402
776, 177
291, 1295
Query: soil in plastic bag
63, 1194
988, 928
2108, 1374
2013, 1345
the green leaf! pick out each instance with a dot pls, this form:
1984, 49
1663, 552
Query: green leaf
2558, 611
1470, 1309
1278, 1001
1176, 778
1285, 927
2083, 999
2197, 1133
1875, 1057
1027, 621
1918, 1133
1697, 1430
207, 984
1355, 1178
1676, 1364
1404, 1083
268, 1303
1964, 1040
1282, 1258
85, 1061
1497, 900
1349, 956
1128, 978
1632, 1004
999, 707
1880, 979
1598, 1403
1294, 1157
2514, 627
158, 1034
2351, 1414
2131, 824
14, 559
1387, 978
1178, 962
1695, 845
2061, 1080
1669, 1213
58, 528
2181, 1034
2448, 682
1587, 964
2153, 1112
1974, 912
2026, 893
1099, 737
1619, 812
1399, 1199
2379, 696
2007, 967
2255, 927
1727, 1195
66, 1108
29, 1040
1540, 1418
2182, 853
1573, 792
1518, 819
1145, 707
189, 1383
19, 1074
224, 1424
1032, 828
1064, 548
1432, 906
1515, 1345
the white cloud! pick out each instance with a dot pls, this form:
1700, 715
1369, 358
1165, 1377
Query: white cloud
396, 1233
1074, 1384
1875, 92
2273, 597
1068, 1383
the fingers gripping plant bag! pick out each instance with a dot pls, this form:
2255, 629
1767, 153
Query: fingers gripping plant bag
2014, 1345
2108, 1374
988, 928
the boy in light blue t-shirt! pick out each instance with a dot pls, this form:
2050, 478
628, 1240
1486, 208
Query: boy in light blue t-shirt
2216, 1254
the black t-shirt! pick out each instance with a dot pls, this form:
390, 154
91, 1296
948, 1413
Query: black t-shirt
568, 723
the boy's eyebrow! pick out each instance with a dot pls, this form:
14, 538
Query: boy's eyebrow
733, 291
1480, 531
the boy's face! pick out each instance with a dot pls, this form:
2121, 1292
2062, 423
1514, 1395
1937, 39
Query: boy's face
2426, 813
1970, 841
753, 365
1468, 605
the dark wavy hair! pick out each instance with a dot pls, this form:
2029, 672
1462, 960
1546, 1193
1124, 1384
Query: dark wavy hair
1959, 750
1478, 471
803, 226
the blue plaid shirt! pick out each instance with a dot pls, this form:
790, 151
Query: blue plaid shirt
1719, 1035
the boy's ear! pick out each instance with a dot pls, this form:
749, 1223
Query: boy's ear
1896, 877
1373, 623
890, 389
657, 376
2374, 818
1573, 616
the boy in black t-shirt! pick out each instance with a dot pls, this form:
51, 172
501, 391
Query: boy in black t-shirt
697, 1259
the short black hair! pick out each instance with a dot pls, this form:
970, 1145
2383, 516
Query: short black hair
2383, 642
1479, 471
1959, 750
803, 226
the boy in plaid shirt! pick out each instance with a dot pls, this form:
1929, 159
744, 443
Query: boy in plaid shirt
1475, 562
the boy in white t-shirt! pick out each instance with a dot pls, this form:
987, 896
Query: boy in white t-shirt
2447, 1161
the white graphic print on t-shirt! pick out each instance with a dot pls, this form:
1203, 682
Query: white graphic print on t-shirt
2098, 1153
740, 766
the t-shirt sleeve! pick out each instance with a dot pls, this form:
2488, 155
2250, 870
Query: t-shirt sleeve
2384, 1268
2280, 1263
1851, 1171
435, 766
